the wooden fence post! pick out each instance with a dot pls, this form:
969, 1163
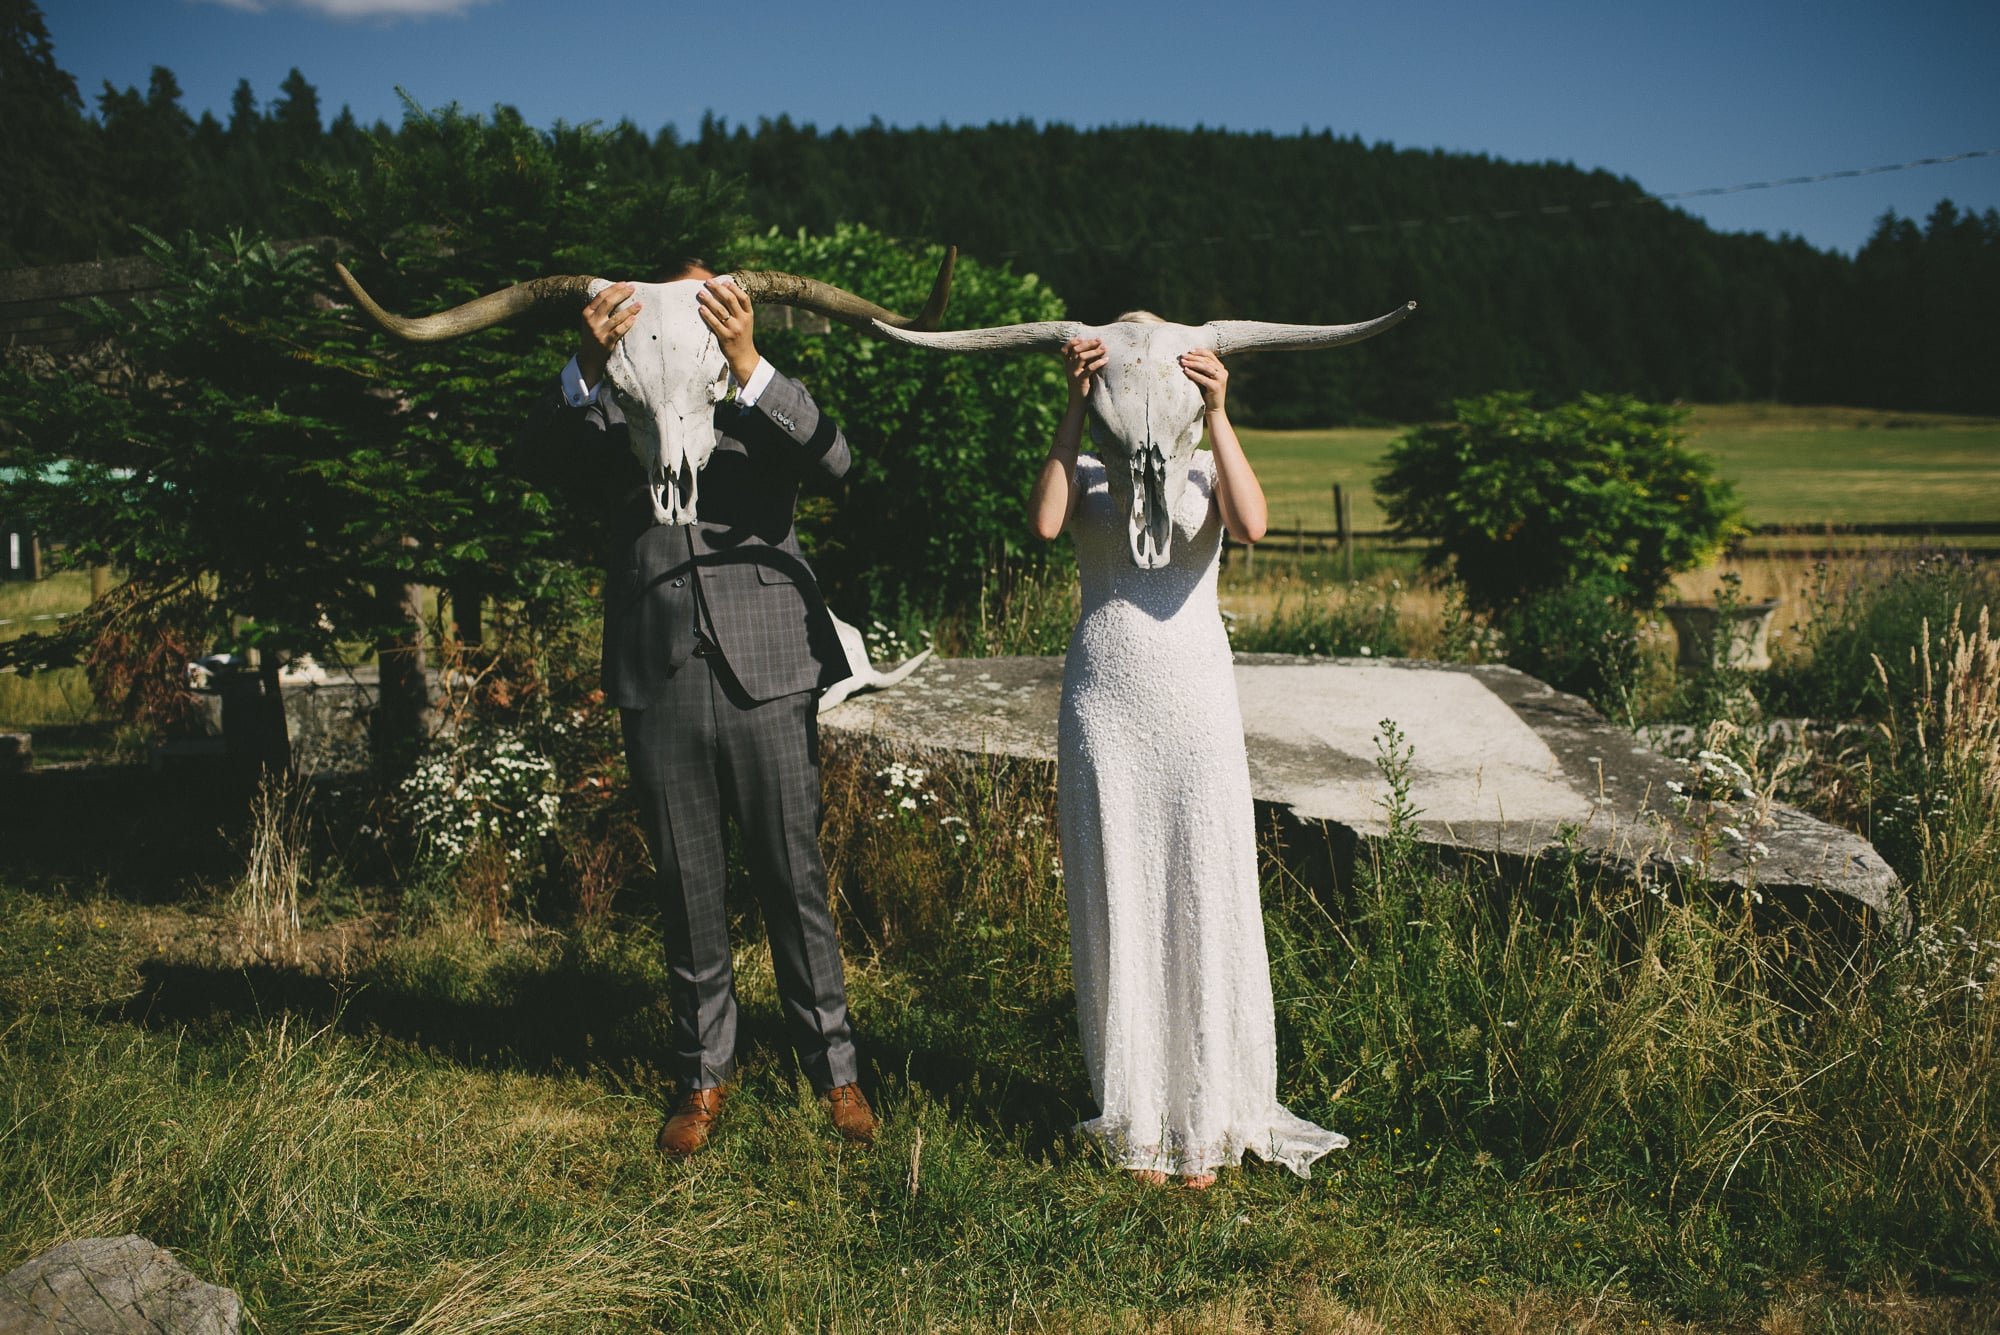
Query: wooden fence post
1343, 529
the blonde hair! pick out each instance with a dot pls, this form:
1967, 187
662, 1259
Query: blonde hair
1139, 317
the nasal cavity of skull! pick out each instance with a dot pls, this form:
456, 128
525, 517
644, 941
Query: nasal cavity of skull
684, 484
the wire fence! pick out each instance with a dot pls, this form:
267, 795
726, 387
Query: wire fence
1806, 542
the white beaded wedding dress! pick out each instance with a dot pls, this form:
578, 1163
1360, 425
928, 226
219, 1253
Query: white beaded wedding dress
1173, 987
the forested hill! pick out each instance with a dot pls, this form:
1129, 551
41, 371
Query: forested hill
1536, 276
1526, 275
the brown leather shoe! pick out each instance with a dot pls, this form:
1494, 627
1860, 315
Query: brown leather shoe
852, 1117
687, 1127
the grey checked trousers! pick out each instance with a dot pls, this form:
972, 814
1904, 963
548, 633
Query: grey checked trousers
701, 753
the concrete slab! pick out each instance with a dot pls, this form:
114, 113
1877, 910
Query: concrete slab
1500, 764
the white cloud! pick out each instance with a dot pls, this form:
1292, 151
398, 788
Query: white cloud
358, 9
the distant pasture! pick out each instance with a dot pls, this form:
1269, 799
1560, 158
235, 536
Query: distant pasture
1791, 465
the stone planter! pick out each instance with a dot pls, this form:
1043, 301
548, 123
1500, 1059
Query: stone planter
1707, 643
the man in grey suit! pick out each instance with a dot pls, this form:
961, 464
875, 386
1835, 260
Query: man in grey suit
716, 645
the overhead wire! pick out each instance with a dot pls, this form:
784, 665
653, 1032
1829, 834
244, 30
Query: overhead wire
1535, 210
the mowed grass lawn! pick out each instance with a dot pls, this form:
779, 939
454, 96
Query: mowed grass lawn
1791, 465
53, 704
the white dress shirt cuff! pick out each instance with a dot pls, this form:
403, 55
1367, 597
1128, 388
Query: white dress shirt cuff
575, 392
747, 393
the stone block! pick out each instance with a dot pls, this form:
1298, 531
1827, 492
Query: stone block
1501, 765
112, 1286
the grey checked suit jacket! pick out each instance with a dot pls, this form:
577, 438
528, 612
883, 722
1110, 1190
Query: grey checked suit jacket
763, 604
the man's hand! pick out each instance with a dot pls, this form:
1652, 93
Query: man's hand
725, 309
604, 323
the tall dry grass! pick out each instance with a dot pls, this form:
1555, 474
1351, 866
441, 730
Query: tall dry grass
1947, 738
339, 1190
277, 865
1777, 1090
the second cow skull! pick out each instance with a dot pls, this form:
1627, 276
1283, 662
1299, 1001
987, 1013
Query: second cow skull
1144, 410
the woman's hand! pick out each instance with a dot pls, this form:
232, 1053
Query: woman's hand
1054, 494
1083, 358
1210, 376
604, 323
1238, 494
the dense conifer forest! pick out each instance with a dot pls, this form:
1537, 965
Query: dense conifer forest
1529, 276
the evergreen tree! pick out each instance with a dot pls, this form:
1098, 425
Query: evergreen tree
244, 121
50, 208
275, 457
148, 152
295, 115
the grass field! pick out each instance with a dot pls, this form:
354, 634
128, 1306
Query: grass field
1790, 466
56, 706
28, 606
1574, 1107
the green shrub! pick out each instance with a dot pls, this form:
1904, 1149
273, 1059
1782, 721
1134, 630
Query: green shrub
1522, 502
945, 447
1581, 638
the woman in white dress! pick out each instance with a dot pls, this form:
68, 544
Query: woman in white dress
1173, 987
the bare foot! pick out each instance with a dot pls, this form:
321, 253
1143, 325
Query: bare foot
1198, 1181
1150, 1177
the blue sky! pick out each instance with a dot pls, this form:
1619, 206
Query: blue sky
1677, 96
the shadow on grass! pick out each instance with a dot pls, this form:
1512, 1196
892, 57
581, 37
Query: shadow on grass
146, 838
128, 832
574, 1014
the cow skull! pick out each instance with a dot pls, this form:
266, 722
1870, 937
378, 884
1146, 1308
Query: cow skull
668, 372
1143, 408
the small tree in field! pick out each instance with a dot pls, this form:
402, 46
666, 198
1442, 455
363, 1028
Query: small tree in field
1523, 502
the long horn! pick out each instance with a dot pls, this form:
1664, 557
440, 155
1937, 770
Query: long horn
998, 338
479, 313
1227, 336
787, 289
